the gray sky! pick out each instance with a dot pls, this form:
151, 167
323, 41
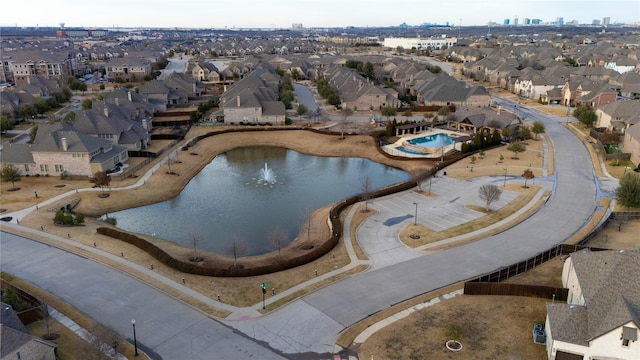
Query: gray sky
310, 13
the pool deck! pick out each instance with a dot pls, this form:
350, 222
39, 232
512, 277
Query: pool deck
393, 148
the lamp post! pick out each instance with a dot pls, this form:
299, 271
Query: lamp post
415, 218
431, 177
135, 341
504, 183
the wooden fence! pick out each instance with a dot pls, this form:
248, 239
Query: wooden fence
544, 292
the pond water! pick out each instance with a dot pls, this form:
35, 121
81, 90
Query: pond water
230, 199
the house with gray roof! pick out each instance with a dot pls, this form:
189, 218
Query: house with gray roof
619, 115
156, 93
483, 120
601, 318
18, 343
114, 123
254, 99
58, 149
444, 90
128, 68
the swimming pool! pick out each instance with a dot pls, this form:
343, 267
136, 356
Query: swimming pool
432, 141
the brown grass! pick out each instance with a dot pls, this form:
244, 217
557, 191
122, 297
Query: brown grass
483, 336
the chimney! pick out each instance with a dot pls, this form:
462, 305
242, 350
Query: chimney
238, 100
106, 111
65, 146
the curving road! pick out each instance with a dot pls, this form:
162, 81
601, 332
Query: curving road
308, 327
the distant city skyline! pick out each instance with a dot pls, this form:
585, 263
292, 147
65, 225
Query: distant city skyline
309, 13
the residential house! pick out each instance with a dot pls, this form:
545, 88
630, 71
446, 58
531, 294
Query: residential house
58, 149
631, 143
483, 120
628, 85
596, 96
128, 69
622, 65
444, 90
206, 71
117, 124
534, 86
254, 99
358, 92
18, 343
595, 73
619, 115
156, 94
38, 87
602, 315
11, 100
183, 87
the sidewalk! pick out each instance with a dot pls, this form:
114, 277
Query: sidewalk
80, 331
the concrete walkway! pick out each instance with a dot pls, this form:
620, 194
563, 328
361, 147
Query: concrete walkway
79, 330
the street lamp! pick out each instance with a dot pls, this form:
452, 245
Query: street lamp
504, 183
415, 218
135, 341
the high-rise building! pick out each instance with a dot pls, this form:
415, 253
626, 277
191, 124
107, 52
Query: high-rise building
536, 21
515, 22
560, 21
606, 21
595, 22
507, 22
526, 21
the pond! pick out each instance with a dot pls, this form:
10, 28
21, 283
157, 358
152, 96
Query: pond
230, 197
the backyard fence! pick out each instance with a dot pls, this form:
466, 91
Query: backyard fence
538, 291
490, 284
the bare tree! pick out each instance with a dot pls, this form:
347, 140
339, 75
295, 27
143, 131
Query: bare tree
44, 312
366, 192
237, 247
278, 239
195, 239
101, 179
622, 218
306, 216
346, 112
489, 193
102, 344
527, 175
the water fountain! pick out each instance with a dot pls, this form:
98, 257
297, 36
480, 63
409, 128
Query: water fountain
267, 176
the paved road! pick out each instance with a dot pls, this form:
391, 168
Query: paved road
310, 324
165, 327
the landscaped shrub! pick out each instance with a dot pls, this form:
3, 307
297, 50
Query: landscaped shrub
65, 217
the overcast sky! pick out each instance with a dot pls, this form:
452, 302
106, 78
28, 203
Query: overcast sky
310, 13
